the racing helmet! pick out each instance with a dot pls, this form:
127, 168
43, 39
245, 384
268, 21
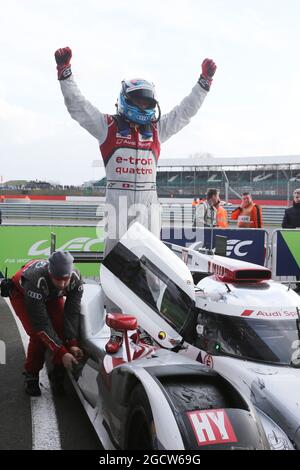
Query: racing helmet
131, 92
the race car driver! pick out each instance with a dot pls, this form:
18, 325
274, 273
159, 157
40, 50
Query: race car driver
37, 296
130, 147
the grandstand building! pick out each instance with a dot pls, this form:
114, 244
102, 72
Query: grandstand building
267, 178
271, 180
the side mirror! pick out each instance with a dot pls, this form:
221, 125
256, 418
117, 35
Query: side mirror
123, 323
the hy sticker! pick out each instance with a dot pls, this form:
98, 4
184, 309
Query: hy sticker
211, 427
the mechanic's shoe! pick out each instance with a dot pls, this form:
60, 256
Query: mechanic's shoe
114, 344
57, 377
31, 384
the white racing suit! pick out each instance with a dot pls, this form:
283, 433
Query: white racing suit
130, 160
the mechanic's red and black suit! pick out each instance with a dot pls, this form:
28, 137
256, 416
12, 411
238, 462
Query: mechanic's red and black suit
48, 319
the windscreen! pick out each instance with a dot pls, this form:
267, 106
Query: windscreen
152, 286
272, 341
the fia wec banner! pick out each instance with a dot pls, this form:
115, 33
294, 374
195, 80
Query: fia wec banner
288, 253
21, 243
243, 244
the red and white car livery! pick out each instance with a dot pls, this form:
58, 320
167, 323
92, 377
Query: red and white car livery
223, 372
151, 397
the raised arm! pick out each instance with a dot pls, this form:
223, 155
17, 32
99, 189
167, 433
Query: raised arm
180, 116
236, 213
80, 109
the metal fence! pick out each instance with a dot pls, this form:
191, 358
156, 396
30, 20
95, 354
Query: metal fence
175, 213
183, 213
37, 211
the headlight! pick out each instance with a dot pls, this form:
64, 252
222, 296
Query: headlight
277, 438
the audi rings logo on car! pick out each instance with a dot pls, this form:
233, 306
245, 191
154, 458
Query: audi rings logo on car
34, 295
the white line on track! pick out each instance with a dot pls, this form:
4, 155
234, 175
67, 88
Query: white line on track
45, 431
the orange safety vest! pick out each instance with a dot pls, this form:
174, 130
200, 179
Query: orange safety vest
248, 217
221, 217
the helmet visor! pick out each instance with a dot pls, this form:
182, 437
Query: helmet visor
142, 97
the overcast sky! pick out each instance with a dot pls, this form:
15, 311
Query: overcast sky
253, 107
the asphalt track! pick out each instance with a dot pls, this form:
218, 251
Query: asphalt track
18, 411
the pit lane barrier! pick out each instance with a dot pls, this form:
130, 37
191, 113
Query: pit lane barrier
284, 255
279, 250
79, 256
244, 244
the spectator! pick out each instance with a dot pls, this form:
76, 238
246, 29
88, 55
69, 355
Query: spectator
37, 295
206, 211
248, 214
195, 203
291, 217
222, 216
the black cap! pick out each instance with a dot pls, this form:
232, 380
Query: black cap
61, 264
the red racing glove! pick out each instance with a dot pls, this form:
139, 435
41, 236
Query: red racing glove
208, 71
63, 57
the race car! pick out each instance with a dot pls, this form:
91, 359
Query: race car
225, 314
158, 396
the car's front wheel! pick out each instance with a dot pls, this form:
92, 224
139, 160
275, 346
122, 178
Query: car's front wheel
140, 429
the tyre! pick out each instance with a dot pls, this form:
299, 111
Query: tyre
140, 429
